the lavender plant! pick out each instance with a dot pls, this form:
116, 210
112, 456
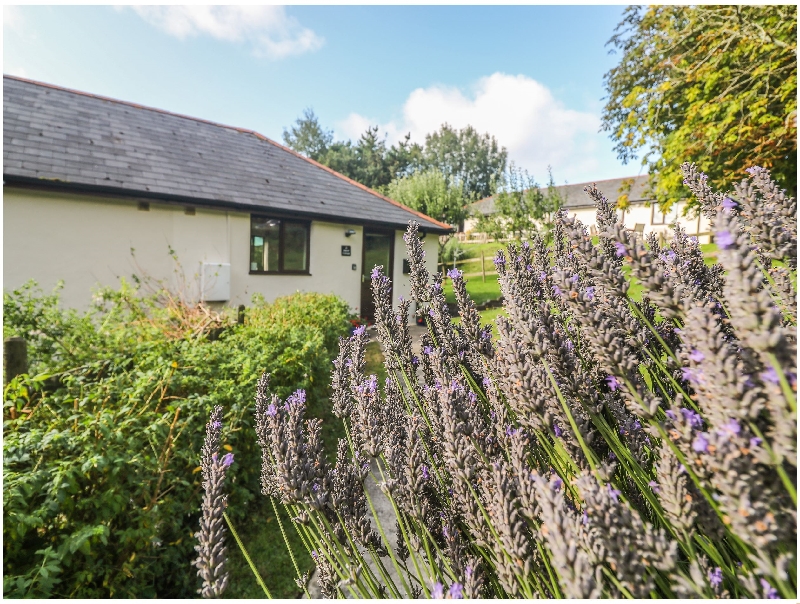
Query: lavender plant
211, 549
602, 447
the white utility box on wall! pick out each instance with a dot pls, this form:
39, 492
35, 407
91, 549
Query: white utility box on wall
215, 282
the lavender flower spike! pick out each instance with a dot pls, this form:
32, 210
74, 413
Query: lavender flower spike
211, 550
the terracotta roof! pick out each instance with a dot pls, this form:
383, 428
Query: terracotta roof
55, 137
635, 187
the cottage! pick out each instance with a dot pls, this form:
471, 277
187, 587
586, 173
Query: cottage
96, 189
641, 213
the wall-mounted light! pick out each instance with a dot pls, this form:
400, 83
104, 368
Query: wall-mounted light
349, 232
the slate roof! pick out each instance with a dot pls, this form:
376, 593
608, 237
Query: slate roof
575, 197
56, 137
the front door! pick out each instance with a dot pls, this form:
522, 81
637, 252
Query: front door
378, 251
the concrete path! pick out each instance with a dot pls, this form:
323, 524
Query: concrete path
381, 503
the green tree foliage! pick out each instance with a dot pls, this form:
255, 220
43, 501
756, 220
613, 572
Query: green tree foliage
100, 480
308, 137
473, 159
714, 85
368, 161
431, 193
521, 208
464, 156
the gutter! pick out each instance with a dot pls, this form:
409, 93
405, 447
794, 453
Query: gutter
41, 184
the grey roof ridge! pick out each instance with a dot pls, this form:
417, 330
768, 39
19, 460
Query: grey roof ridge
242, 130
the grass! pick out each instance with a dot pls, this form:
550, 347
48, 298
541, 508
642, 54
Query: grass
478, 290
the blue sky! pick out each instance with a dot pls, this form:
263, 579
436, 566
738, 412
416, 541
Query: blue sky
530, 75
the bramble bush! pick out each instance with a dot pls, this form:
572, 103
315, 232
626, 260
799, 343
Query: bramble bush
602, 447
101, 439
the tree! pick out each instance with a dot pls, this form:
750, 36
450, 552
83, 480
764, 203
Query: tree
308, 137
431, 193
476, 160
520, 206
714, 85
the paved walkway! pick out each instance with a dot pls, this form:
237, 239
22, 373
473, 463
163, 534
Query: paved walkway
381, 503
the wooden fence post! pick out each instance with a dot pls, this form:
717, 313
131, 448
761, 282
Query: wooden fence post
483, 267
15, 358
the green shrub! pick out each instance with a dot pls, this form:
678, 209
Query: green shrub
100, 466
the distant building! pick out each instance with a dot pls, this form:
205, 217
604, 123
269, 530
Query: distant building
641, 214
96, 189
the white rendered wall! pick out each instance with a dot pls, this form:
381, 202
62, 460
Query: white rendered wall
87, 241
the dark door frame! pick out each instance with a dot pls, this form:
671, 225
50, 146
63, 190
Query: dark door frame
366, 288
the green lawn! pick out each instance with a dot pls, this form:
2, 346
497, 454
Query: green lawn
478, 290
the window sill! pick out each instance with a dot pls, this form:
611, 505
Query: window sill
276, 273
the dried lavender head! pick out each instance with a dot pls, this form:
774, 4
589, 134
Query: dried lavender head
211, 550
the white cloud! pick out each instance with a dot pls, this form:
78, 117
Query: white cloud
268, 29
12, 17
537, 129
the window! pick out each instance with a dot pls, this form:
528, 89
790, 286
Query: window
278, 245
658, 216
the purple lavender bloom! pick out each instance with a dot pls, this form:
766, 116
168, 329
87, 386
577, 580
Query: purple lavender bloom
755, 441
681, 469
770, 593
585, 517
542, 276
654, 485
613, 382
556, 484
692, 418
614, 493
725, 239
455, 592
358, 331
700, 443
376, 272
611, 455
468, 571
415, 360
637, 425
425, 473
556, 429
556, 290
428, 350
431, 313
487, 382
499, 261
454, 273
671, 414
621, 249
227, 461
437, 591
271, 410
216, 425
715, 577
696, 356
728, 203
445, 532
569, 345
590, 292
771, 376
688, 374
729, 428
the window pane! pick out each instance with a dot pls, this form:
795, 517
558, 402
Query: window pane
264, 244
295, 252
